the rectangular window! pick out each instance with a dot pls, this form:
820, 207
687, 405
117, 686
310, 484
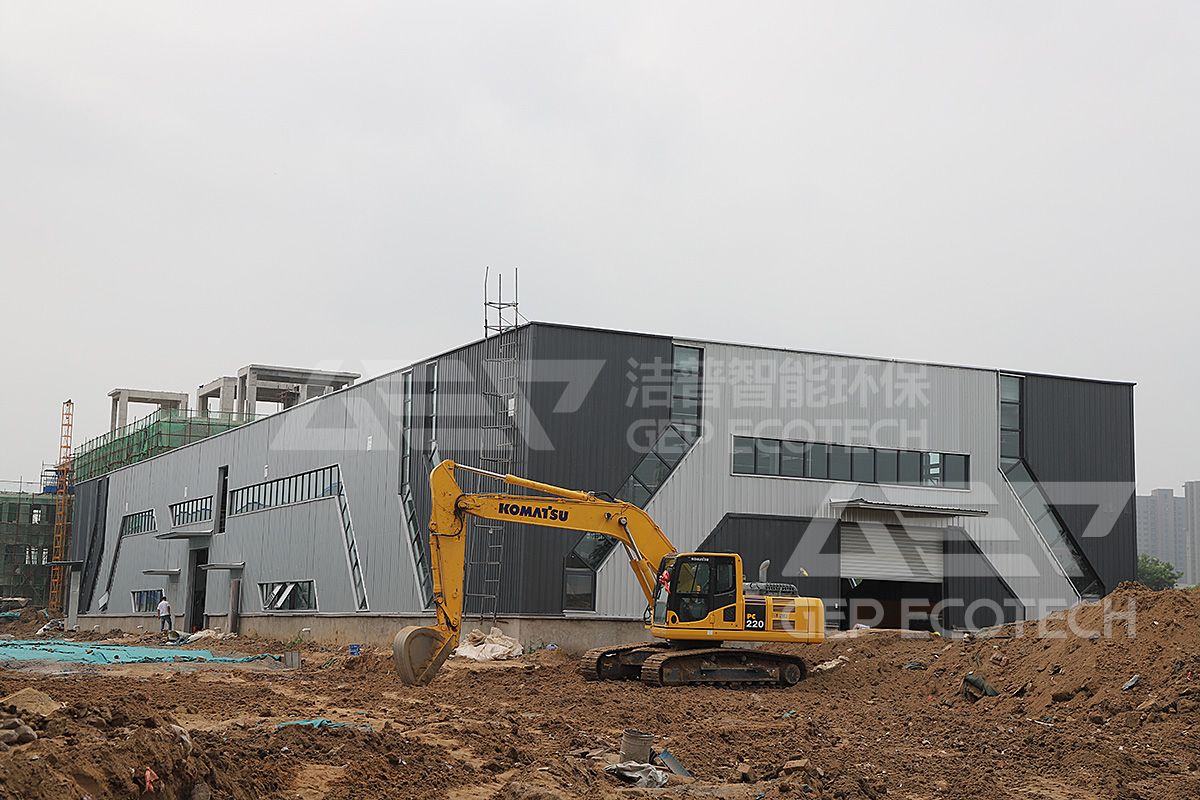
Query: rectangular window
285, 491
579, 589
288, 596
791, 459
839, 463
766, 456
743, 455
931, 469
817, 465
887, 466
910, 468
35, 516
141, 522
1010, 444
192, 511
1010, 388
954, 471
145, 601
863, 466
222, 495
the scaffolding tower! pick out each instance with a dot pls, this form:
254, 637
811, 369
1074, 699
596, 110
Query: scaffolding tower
498, 382
62, 511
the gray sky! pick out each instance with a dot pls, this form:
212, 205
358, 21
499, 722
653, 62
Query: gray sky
185, 189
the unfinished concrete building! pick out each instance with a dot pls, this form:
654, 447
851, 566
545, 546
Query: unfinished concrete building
26, 531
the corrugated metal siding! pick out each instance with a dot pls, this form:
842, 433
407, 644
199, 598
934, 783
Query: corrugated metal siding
972, 587
587, 441
357, 429
952, 410
890, 553
794, 546
1081, 432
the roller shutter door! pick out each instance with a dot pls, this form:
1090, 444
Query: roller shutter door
891, 553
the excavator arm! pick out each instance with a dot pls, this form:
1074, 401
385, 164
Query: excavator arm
419, 651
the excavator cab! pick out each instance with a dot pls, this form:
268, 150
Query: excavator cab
697, 588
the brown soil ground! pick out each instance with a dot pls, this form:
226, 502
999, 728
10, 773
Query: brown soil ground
1060, 725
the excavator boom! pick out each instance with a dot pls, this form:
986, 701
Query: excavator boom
419, 652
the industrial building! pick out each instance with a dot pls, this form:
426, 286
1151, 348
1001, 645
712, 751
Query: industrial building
906, 485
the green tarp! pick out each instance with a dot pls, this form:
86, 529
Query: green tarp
90, 653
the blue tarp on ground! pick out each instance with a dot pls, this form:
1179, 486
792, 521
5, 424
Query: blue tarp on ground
92, 653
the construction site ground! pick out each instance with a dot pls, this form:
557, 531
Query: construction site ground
889, 720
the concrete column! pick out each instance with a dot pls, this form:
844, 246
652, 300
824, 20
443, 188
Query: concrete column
112, 425
122, 410
228, 393
241, 394
251, 393
73, 599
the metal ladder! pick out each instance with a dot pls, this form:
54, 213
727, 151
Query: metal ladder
497, 446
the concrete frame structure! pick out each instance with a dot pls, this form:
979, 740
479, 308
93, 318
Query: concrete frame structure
224, 389
285, 385
334, 493
121, 398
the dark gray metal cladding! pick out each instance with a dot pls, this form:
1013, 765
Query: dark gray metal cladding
587, 430
90, 509
791, 544
1081, 432
969, 577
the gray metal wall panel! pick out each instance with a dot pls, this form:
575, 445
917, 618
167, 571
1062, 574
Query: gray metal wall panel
790, 543
851, 401
1082, 432
585, 445
356, 429
973, 588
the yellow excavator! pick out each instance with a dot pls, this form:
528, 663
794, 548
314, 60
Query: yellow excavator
696, 602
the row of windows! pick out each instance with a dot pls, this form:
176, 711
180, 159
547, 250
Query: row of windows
189, 511
836, 462
141, 522
145, 601
288, 596
415, 534
37, 556
1010, 416
322, 482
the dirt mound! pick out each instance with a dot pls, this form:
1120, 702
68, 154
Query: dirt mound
889, 719
1136, 650
29, 623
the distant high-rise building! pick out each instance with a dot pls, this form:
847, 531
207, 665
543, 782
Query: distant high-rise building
1169, 528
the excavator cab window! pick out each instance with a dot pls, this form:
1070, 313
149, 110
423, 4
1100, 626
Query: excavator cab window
700, 585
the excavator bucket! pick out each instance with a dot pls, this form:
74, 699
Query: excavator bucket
419, 652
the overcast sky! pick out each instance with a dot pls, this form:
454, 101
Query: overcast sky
187, 188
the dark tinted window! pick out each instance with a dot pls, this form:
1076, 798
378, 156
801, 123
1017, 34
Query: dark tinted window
1010, 388
954, 471
910, 467
886, 466
864, 465
743, 455
1010, 416
1010, 444
766, 456
839, 462
791, 459
579, 589
818, 461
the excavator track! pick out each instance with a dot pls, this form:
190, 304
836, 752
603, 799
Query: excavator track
618, 662
723, 666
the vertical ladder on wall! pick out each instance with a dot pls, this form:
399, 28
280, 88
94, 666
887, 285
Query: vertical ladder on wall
498, 381
62, 511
